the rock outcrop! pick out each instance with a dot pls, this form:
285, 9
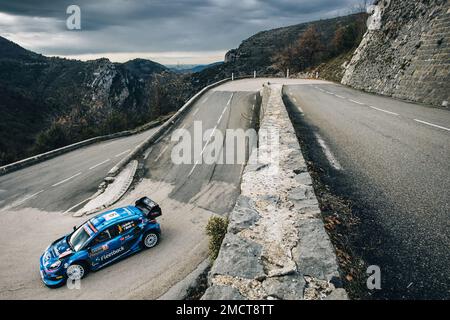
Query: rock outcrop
49, 102
406, 52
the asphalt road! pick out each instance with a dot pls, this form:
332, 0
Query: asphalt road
64, 181
392, 160
189, 194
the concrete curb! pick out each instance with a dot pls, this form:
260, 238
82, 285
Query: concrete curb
112, 193
53, 153
276, 246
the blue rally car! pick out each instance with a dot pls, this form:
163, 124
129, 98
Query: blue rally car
100, 241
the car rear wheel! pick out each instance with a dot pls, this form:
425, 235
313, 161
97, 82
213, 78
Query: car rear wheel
76, 271
150, 240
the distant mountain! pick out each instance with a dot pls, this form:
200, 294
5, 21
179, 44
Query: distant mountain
192, 68
50, 102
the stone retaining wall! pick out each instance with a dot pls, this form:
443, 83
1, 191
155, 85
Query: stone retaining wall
407, 54
276, 246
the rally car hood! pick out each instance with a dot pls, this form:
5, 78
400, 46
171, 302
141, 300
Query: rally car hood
59, 249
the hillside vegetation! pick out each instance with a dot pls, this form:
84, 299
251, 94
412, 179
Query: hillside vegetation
47, 103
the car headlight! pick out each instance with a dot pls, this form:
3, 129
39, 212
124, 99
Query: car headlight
55, 265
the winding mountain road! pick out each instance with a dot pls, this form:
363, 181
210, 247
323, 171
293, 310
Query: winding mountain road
188, 193
392, 160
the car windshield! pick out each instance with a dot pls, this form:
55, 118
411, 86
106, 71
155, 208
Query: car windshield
79, 238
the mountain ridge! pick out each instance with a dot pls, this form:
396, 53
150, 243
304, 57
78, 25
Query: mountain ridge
75, 100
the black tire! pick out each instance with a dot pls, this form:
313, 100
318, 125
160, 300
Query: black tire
77, 270
150, 239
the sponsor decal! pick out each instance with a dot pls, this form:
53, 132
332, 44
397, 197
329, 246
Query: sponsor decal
112, 254
65, 254
111, 216
92, 227
127, 226
47, 256
125, 238
95, 251
88, 230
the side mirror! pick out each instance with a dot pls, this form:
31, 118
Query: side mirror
74, 228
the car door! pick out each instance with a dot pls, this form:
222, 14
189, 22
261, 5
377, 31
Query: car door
130, 232
106, 247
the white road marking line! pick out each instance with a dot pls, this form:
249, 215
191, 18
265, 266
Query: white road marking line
162, 152
357, 102
65, 180
26, 199
159, 139
77, 205
432, 124
221, 115
331, 159
212, 133
382, 110
298, 107
122, 153
339, 96
148, 153
231, 97
195, 112
205, 99
203, 150
99, 164
253, 107
105, 145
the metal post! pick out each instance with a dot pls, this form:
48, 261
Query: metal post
254, 74
232, 76
287, 73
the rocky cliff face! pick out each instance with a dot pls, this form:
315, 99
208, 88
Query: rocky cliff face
46, 103
258, 53
406, 52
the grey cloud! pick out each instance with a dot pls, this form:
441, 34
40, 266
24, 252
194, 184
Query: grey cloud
164, 25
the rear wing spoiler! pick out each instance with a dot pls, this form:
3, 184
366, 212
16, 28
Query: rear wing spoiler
148, 207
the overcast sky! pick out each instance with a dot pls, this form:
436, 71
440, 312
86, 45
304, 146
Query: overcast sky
167, 31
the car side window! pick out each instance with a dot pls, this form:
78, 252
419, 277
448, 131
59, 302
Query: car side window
102, 237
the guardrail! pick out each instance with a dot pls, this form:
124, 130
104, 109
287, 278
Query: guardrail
168, 123
53, 153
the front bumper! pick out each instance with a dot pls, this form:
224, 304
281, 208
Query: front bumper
52, 279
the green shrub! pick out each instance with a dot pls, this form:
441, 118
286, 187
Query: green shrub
216, 230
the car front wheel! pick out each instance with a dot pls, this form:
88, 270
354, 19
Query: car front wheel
150, 240
76, 271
